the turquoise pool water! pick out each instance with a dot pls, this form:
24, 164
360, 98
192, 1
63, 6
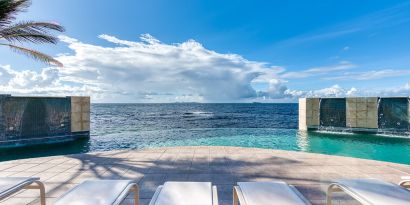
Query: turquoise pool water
391, 149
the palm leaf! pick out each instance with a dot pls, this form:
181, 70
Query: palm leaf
34, 32
34, 26
10, 8
33, 38
34, 54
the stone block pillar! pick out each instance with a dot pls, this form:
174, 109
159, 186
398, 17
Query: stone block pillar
308, 113
80, 114
362, 112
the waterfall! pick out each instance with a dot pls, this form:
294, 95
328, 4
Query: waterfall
393, 115
332, 114
30, 117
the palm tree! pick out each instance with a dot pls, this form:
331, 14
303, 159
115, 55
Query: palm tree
26, 31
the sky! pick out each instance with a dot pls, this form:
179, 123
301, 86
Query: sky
216, 51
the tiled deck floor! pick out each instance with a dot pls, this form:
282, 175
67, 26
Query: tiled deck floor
224, 166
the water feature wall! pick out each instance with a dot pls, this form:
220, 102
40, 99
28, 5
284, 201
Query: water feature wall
38, 120
358, 114
394, 114
332, 112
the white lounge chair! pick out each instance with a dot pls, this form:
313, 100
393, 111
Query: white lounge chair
185, 193
100, 192
370, 191
11, 185
265, 193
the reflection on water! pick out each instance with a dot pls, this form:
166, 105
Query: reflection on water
303, 140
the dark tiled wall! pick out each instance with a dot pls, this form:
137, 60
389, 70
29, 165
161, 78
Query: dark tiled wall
34, 117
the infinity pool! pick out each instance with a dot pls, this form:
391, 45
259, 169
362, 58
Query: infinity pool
391, 149
270, 126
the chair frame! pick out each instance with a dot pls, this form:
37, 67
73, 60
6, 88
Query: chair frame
405, 182
135, 190
36, 184
335, 187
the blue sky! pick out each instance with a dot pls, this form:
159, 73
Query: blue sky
281, 50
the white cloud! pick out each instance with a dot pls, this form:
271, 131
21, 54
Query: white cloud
399, 91
276, 90
45, 82
152, 71
338, 91
186, 69
343, 65
333, 91
370, 75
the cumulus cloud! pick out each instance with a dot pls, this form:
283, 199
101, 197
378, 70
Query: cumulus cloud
338, 91
184, 71
276, 90
152, 71
333, 91
45, 82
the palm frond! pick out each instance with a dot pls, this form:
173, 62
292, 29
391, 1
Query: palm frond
10, 8
34, 32
34, 26
34, 54
30, 37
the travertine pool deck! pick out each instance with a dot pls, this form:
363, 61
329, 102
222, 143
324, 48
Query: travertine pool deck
223, 166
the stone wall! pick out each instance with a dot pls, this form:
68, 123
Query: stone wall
361, 112
39, 120
80, 114
308, 113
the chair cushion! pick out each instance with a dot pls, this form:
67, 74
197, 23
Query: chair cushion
377, 192
185, 193
265, 193
96, 192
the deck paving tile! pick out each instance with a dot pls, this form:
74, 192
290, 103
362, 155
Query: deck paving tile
223, 166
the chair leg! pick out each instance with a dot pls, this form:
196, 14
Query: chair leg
214, 195
234, 197
405, 184
40, 186
42, 193
135, 190
329, 195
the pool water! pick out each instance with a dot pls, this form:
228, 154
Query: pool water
271, 126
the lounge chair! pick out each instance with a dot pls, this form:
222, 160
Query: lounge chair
100, 192
370, 191
265, 193
185, 193
11, 185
